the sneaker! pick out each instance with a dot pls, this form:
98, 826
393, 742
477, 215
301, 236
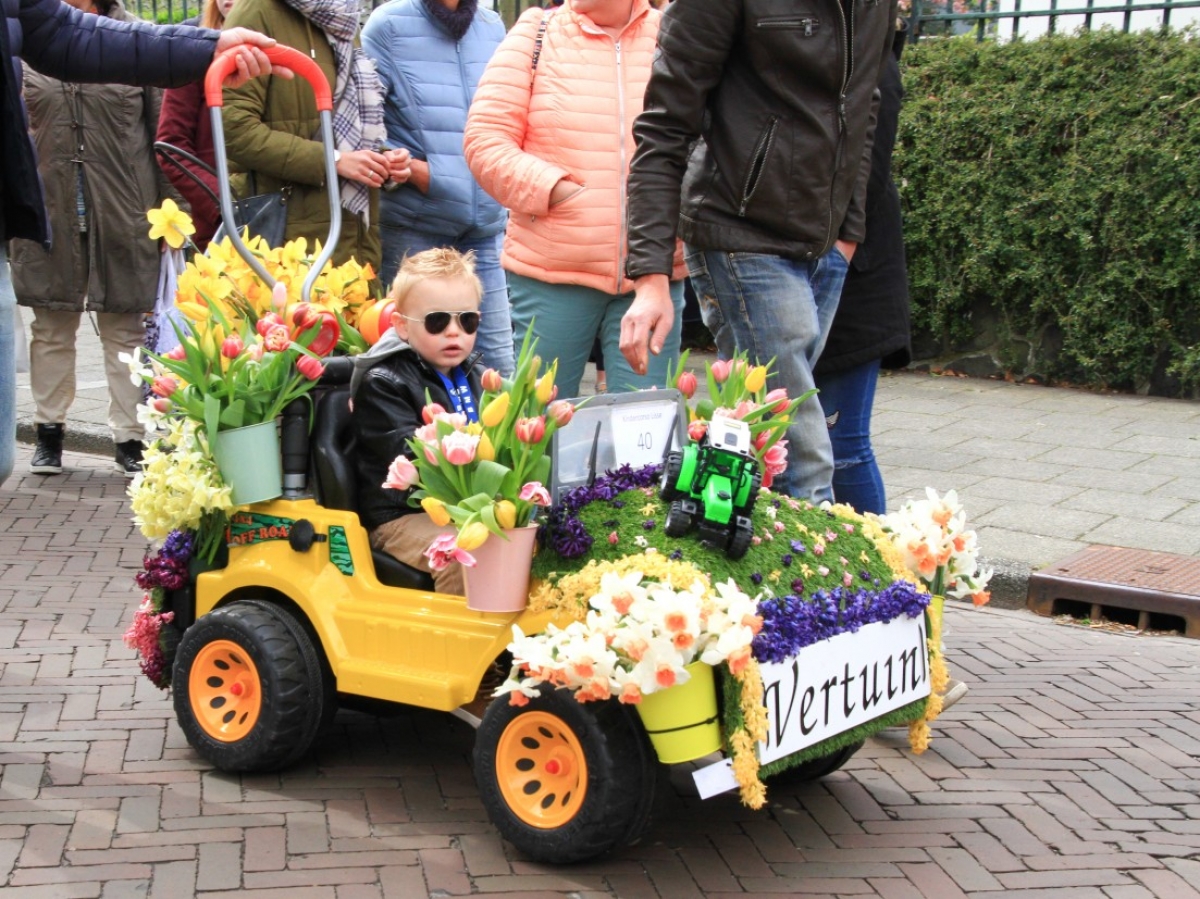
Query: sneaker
129, 457
955, 690
47, 455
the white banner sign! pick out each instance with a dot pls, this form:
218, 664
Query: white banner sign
641, 432
842, 682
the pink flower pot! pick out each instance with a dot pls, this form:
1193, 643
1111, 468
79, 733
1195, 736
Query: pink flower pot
499, 581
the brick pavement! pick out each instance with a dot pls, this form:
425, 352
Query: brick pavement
1070, 770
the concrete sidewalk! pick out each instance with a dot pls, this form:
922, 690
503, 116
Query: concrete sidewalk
1042, 471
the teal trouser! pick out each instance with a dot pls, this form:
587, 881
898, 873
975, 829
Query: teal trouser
566, 319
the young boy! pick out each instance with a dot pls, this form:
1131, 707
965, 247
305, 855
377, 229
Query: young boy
428, 349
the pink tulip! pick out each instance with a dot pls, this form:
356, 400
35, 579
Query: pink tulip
279, 296
697, 430
277, 339
775, 460
176, 353
443, 550
686, 384
427, 433
721, 369
531, 430
264, 324
160, 405
491, 381
778, 397
163, 386
561, 412
401, 474
309, 367
535, 493
432, 411
744, 408
760, 439
232, 346
255, 351
459, 447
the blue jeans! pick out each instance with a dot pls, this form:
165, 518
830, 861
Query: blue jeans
567, 318
8, 369
847, 398
495, 337
775, 308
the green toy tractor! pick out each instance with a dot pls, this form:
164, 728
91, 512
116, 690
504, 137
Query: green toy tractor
712, 486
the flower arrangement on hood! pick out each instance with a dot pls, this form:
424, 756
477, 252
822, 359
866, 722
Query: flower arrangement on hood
487, 476
638, 637
737, 389
932, 539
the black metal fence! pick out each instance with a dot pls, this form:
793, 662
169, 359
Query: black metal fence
1008, 20
1003, 19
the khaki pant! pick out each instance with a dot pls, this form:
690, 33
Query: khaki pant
52, 367
407, 537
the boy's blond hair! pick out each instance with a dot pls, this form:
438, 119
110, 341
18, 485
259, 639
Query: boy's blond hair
440, 262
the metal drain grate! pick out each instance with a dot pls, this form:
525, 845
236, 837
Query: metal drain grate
1114, 581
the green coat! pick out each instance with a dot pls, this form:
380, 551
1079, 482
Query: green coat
273, 130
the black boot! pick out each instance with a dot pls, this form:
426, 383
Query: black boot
47, 455
129, 457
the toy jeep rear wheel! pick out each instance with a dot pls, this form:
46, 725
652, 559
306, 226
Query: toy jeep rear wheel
246, 693
740, 539
564, 781
672, 470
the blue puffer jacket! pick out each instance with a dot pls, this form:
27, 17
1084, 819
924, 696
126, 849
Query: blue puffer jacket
72, 46
430, 80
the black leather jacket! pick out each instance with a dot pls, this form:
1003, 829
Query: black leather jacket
387, 412
757, 129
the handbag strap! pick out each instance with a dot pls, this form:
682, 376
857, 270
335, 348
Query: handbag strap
537, 41
174, 155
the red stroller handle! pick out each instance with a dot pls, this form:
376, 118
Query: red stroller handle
293, 59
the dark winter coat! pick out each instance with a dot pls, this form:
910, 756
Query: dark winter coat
389, 391
105, 131
65, 43
872, 320
764, 110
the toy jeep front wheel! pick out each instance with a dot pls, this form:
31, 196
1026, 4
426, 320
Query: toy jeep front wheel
249, 691
565, 781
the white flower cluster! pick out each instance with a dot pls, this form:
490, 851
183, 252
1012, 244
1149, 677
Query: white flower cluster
637, 639
932, 537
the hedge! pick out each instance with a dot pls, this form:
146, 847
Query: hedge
1058, 182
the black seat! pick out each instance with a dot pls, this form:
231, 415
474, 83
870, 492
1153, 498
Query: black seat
334, 480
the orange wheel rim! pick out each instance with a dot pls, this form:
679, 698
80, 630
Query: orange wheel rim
225, 691
541, 770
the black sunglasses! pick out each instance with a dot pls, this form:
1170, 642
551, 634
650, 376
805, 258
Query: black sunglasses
437, 322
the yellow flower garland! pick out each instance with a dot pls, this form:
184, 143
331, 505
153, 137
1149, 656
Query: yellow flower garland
743, 743
919, 733
571, 592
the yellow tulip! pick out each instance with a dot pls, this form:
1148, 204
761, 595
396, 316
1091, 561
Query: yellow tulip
545, 386
472, 536
756, 379
436, 510
494, 412
506, 514
485, 450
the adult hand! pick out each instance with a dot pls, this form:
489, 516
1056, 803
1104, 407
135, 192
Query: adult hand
399, 165
364, 166
251, 61
648, 321
846, 248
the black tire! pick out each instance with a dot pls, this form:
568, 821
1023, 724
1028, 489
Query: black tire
672, 469
599, 801
679, 520
740, 539
263, 714
814, 769
752, 497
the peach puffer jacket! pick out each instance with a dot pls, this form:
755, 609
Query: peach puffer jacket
573, 117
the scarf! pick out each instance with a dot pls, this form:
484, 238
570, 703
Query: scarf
357, 95
455, 21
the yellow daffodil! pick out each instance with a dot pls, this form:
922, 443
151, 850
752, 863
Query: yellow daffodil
170, 223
